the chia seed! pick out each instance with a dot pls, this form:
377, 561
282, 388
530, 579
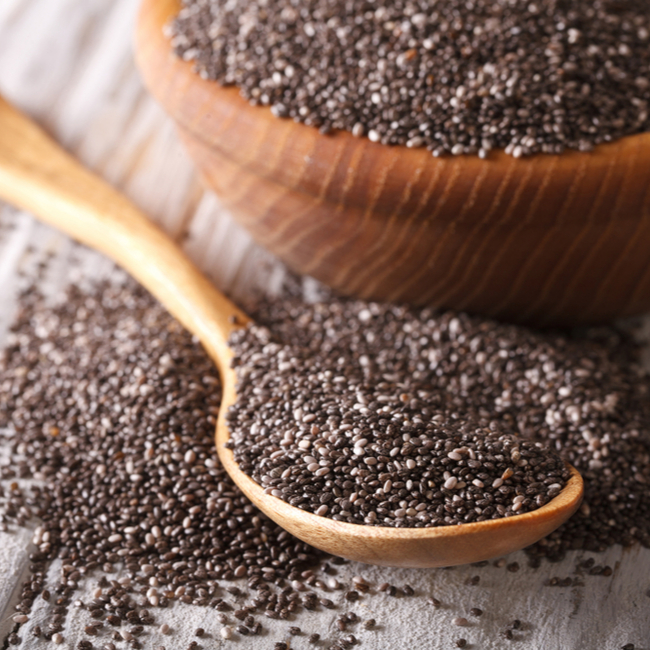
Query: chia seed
453, 77
126, 402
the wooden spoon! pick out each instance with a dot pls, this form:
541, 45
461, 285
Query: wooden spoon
38, 176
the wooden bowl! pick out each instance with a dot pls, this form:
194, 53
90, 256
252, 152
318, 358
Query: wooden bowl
546, 240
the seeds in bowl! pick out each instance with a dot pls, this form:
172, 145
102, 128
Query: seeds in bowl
454, 77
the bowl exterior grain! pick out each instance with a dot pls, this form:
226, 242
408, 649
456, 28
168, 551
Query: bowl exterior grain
543, 240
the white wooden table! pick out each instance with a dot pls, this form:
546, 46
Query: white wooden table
69, 64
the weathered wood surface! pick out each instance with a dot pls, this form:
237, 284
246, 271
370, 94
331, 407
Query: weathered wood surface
69, 64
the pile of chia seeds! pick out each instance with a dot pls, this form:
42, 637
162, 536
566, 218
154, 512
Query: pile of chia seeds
454, 76
113, 406
378, 414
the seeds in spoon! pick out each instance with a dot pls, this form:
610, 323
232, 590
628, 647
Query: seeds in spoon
378, 377
361, 434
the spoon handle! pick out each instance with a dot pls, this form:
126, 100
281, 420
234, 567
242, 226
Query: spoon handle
37, 175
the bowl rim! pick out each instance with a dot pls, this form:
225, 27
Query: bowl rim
160, 13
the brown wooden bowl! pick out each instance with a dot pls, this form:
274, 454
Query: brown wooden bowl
547, 240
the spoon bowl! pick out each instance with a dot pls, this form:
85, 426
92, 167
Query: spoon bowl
406, 547
38, 176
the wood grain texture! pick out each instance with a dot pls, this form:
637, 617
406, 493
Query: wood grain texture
546, 240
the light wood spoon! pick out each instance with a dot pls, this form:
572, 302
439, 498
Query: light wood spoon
38, 176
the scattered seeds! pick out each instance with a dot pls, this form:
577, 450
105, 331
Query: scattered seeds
153, 401
61, 390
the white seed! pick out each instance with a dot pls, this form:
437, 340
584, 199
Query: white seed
450, 483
